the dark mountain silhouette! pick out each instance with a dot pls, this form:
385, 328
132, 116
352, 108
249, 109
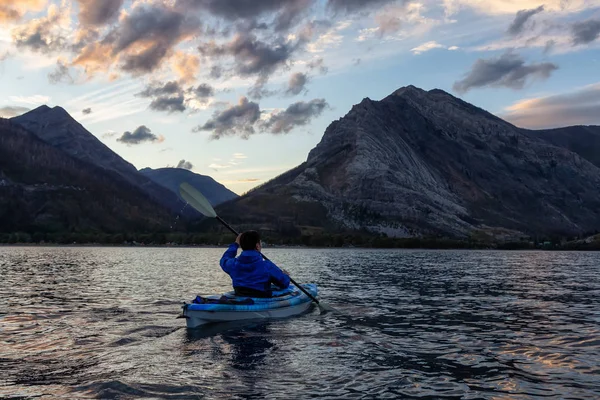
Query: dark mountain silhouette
43, 189
171, 178
56, 127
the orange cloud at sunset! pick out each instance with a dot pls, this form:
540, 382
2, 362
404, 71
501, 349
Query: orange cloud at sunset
94, 58
13, 10
579, 107
186, 66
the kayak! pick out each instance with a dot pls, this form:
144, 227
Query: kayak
228, 307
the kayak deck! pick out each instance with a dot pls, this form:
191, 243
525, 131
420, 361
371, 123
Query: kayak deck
284, 303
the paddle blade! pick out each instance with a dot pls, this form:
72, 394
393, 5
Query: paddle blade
196, 200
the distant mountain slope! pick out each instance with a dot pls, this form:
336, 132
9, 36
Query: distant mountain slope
583, 140
56, 127
171, 178
44, 189
421, 162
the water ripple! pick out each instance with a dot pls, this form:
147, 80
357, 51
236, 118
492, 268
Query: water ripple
101, 323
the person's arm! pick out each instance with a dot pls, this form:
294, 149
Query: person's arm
228, 260
278, 277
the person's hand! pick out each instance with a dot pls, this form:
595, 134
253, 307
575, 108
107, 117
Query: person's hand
237, 239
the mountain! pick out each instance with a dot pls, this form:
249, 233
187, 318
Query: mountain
427, 163
171, 178
56, 127
43, 189
583, 140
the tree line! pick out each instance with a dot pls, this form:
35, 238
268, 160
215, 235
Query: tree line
322, 240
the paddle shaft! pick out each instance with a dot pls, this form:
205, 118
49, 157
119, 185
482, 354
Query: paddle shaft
265, 257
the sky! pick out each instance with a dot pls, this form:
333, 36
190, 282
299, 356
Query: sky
242, 90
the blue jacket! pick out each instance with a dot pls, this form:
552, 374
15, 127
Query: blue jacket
249, 270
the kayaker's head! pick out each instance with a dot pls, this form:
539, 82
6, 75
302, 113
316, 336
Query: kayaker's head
250, 240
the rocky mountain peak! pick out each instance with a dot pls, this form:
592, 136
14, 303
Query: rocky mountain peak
409, 91
429, 162
56, 127
48, 114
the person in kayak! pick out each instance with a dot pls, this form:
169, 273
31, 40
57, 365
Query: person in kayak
252, 276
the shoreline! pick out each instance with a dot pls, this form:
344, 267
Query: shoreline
186, 246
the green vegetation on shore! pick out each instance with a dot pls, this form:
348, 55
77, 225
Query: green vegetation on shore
318, 240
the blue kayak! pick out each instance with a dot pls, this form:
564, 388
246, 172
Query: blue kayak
228, 307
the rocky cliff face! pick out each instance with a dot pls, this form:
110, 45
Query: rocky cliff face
57, 128
171, 178
425, 162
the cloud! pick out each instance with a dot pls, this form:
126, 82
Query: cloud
204, 90
286, 13
216, 71
239, 156
216, 166
388, 23
249, 180
330, 39
586, 32
95, 57
140, 135
499, 7
349, 6
14, 10
252, 56
236, 120
319, 64
150, 33
508, 70
86, 111
297, 83
579, 107
291, 14
167, 96
60, 75
109, 134
242, 9
168, 104
186, 66
172, 97
141, 41
43, 35
161, 89
426, 47
518, 25
244, 118
297, 114
12, 111
185, 165
97, 13
36, 99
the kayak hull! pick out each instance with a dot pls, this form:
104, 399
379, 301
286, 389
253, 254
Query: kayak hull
288, 303
196, 319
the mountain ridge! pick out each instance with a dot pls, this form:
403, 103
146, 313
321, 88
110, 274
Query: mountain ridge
58, 128
43, 189
171, 178
427, 163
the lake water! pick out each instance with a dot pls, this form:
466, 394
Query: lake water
101, 323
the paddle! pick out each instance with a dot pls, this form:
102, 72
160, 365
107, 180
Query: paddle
200, 203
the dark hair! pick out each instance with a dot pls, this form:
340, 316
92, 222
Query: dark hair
249, 240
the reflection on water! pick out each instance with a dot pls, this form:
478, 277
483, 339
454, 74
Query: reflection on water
101, 323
